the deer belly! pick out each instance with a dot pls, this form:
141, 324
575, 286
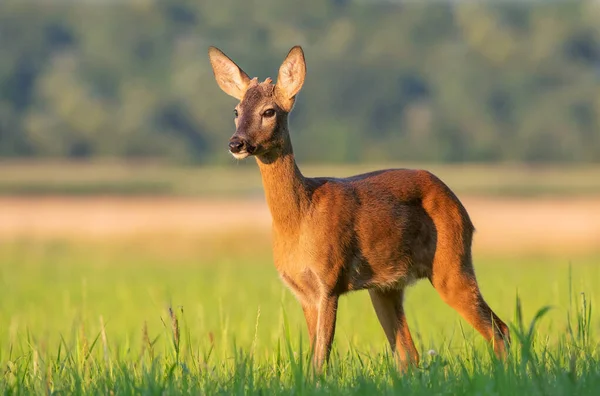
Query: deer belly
392, 275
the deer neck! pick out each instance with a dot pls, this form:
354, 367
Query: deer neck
285, 188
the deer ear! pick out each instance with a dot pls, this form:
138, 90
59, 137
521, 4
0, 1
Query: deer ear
230, 77
290, 78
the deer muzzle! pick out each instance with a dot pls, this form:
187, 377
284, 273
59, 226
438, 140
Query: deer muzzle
240, 148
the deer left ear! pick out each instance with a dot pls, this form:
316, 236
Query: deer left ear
230, 77
290, 78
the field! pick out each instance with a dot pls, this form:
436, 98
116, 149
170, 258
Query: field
170, 294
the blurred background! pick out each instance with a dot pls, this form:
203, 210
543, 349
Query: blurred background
388, 80
114, 161
117, 99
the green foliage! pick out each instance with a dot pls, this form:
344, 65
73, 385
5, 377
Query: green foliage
386, 80
80, 318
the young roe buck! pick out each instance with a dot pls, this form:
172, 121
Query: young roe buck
379, 231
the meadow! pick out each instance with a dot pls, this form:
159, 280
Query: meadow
98, 319
240, 178
131, 296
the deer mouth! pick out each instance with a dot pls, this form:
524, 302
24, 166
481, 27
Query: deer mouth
245, 151
240, 155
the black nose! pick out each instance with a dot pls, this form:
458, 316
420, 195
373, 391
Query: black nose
236, 145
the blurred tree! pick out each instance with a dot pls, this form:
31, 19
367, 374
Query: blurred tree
458, 81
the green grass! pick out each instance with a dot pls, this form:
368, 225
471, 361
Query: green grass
89, 318
242, 178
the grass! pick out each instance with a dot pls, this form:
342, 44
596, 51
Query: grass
100, 318
121, 178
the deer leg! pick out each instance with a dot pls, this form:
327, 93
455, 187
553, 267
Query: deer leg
388, 305
325, 330
311, 314
459, 289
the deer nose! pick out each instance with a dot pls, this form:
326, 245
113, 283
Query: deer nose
236, 145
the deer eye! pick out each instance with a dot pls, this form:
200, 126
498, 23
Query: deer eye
235, 113
269, 113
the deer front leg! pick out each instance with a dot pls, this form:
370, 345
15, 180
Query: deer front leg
325, 330
311, 314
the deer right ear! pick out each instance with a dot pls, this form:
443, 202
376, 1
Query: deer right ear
230, 77
290, 78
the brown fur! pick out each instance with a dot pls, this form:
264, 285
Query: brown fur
379, 231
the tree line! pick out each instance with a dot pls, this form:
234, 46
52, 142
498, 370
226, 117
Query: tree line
431, 81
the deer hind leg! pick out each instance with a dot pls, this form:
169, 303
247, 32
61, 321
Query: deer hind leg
388, 305
457, 285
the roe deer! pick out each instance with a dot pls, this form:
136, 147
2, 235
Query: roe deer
379, 231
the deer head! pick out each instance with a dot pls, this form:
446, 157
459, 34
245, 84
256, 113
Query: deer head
263, 108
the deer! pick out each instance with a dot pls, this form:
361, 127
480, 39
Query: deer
381, 231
